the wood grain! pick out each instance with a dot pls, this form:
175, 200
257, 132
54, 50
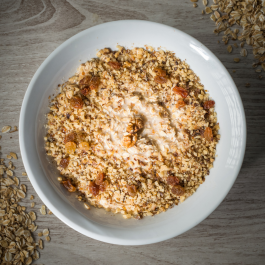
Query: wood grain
235, 232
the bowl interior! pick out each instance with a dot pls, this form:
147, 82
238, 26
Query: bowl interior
97, 223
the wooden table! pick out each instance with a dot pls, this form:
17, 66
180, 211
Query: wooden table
235, 232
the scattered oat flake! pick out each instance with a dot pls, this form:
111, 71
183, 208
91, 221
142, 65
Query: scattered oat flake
8, 156
260, 77
258, 70
236, 60
32, 204
229, 48
46, 232
48, 238
9, 173
31, 197
14, 155
195, 5
40, 234
15, 129
243, 52
203, 12
208, 10
235, 45
32, 216
40, 244
205, 2
24, 174
194, 1
43, 210
50, 212
6, 129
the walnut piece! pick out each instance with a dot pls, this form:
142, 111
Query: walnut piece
135, 125
129, 140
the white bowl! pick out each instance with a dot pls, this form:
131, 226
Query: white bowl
97, 223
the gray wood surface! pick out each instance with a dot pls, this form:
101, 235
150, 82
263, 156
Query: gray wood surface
235, 232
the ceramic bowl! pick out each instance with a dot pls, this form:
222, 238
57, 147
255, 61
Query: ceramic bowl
97, 223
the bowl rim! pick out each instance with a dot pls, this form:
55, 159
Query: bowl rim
43, 196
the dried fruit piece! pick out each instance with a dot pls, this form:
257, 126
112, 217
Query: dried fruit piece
64, 162
180, 104
132, 190
160, 72
100, 178
76, 102
178, 190
85, 91
68, 185
129, 140
208, 104
115, 65
208, 134
84, 146
93, 188
180, 91
85, 81
6, 129
94, 83
70, 147
160, 79
172, 180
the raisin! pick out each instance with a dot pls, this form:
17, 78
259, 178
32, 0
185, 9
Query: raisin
85, 81
172, 180
160, 79
160, 72
178, 190
94, 188
70, 137
100, 178
85, 91
70, 147
68, 115
103, 186
208, 104
64, 162
115, 65
208, 134
76, 102
132, 190
180, 104
84, 146
68, 185
94, 83
180, 91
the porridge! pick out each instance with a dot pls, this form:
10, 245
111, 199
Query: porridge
133, 131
